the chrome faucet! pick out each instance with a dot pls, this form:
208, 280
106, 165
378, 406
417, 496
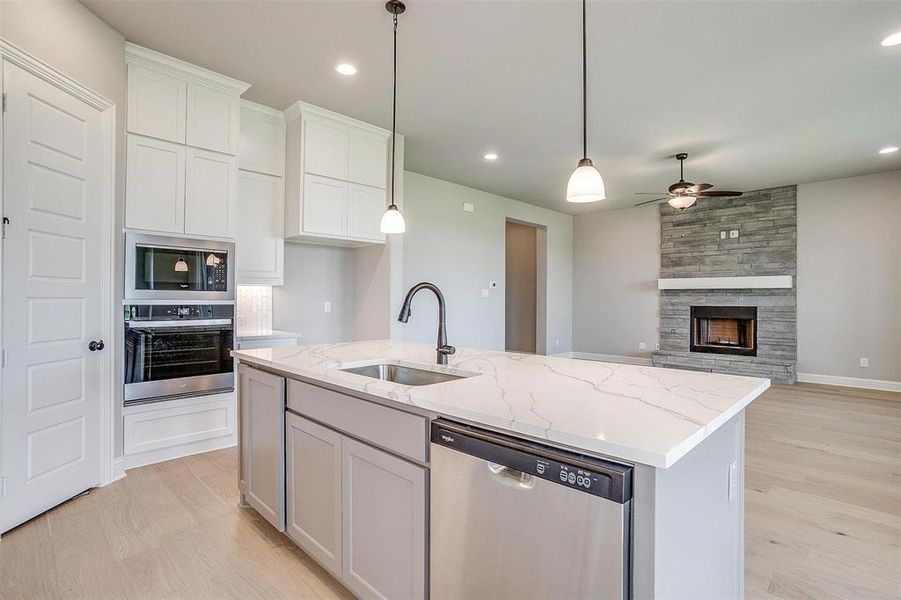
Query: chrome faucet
443, 349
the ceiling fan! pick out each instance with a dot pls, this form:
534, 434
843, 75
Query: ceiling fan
683, 194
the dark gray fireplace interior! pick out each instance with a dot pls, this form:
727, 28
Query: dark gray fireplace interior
724, 330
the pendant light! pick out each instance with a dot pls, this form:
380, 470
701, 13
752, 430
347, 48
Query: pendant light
393, 220
181, 266
585, 184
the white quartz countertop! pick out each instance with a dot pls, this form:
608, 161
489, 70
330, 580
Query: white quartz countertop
265, 334
637, 414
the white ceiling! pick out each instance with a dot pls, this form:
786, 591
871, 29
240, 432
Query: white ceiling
759, 94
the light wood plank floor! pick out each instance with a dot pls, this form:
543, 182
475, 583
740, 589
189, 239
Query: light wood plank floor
823, 518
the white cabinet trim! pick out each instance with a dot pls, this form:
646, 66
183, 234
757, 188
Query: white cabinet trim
138, 55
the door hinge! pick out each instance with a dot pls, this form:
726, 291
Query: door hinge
4, 102
3, 360
2, 487
5, 227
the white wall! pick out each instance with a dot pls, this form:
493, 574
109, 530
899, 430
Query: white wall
315, 274
849, 276
616, 263
70, 38
462, 252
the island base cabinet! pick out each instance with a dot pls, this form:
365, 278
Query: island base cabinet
358, 511
313, 479
384, 523
262, 410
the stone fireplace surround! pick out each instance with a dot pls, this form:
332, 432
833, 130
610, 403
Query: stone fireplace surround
691, 246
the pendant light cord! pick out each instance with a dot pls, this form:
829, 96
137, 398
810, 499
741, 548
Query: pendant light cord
584, 87
394, 111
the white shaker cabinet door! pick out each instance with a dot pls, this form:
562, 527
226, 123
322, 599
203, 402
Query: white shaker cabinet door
325, 149
368, 162
212, 119
324, 206
365, 207
262, 413
261, 143
210, 194
157, 104
155, 185
313, 480
384, 523
260, 237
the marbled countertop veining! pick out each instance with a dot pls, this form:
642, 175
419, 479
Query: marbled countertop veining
634, 413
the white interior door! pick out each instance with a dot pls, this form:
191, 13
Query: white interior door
51, 392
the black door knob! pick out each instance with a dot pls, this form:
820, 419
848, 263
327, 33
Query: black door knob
94, 346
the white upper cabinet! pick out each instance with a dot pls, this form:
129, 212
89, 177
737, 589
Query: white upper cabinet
336, 177
365, 207
210, 193
261, 143
368, 160
212, 119
325, 148
185, 180
155, 190
157, 104
260, 239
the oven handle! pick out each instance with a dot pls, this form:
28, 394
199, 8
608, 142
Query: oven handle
174, 323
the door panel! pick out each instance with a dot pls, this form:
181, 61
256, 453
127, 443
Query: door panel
368, 162
365, 207
260, 237
156, 104
210, 193
155, 185
314, 490
325, 149
212, 119
51, 389
383, 506
324, 206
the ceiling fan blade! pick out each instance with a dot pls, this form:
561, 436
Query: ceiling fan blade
654, 200
719, 193
700, 187
679, 187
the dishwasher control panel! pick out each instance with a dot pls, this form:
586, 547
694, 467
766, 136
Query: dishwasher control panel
587, 474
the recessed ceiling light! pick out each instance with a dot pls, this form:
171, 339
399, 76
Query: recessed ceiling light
346, 69
888, 149
892, 40
490, 156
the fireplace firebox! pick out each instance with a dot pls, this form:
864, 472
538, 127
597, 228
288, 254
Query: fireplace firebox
724, 329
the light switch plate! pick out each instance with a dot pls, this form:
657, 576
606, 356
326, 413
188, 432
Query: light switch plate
469, 207
723, 234
733, 233
327, 307
642, 346
864, 362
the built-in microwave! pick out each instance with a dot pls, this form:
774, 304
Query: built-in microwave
178, 269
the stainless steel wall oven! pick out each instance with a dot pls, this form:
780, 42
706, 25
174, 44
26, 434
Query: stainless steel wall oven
178, 270
176, 350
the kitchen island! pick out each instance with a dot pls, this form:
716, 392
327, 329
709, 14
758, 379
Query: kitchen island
307, 421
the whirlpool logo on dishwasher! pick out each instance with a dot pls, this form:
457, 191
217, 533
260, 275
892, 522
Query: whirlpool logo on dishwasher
448, 438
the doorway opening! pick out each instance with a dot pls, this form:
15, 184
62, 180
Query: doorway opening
525, 287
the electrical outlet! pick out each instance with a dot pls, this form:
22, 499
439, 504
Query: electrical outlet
733, 480
657, 346
327, 306
642, 346
864, 362
484, 293
733, 234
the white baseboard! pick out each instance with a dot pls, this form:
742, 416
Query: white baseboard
613, 358
150, 457
562, 354
868, 384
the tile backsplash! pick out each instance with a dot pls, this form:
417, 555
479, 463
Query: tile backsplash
254, 308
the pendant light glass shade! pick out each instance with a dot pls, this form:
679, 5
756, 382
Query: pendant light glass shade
682, 202
585, 184
392, 221
181, 266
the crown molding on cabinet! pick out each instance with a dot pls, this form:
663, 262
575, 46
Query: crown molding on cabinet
299, 108
270, 114
145, 57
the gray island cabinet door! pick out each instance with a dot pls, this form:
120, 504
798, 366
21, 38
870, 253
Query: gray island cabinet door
262, 398
314, 490
384, 523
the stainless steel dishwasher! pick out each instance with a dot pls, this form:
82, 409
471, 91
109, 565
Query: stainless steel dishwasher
515, 519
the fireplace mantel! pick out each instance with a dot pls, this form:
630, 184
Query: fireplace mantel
726, 283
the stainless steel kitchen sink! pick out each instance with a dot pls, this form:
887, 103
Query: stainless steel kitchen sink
403, 375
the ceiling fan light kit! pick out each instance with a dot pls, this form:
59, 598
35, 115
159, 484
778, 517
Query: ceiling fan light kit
393, 220
586, 183
682, 202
